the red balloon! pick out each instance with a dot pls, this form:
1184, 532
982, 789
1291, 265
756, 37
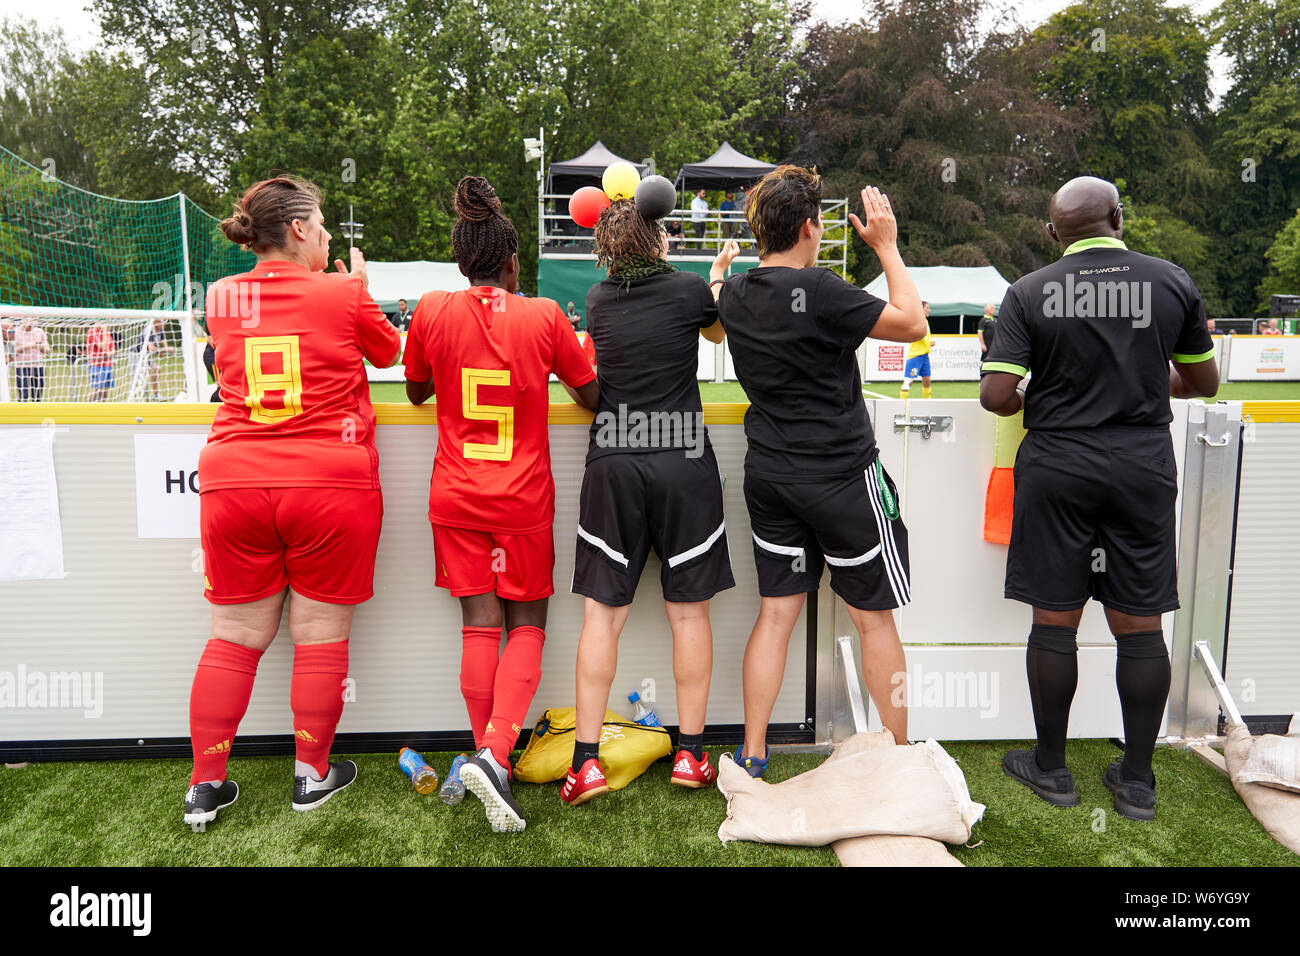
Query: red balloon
587, 204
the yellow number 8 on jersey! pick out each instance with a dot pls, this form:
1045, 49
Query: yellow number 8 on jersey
503, 415
288, 380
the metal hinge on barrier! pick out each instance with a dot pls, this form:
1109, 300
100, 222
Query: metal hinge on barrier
925, 424
1216, 423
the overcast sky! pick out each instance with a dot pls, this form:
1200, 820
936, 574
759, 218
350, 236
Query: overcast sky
79, 27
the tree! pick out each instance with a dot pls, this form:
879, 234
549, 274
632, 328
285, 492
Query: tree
1284, 263
953, 128
1258, 141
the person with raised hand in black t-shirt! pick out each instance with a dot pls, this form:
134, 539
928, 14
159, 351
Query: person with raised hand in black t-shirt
814, 485
651, 481
1095, 476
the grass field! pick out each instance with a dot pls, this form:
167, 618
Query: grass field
732, 392
381, 821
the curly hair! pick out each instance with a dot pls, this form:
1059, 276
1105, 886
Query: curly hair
483, 239
780, 204
261, 217
622, 233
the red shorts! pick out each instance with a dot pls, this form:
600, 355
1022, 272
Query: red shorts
517, 566
319, 541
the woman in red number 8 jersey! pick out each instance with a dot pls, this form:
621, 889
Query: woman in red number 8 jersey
290, 485
488, 355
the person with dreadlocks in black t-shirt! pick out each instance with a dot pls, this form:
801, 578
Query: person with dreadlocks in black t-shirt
652, 481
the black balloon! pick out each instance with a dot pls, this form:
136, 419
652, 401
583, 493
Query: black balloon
655, 197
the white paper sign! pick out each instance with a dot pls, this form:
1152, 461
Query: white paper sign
31, 536
1264, 358
167, 485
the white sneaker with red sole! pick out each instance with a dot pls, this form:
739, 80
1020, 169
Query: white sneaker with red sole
581, 785
689, 772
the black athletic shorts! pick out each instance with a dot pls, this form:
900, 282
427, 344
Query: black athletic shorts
852, 522
631, 503
1094, 517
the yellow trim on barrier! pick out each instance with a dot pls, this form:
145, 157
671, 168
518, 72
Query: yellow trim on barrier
386, 413
1272, 411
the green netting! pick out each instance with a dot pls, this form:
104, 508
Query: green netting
64, 247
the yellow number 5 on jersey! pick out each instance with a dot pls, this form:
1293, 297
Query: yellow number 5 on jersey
288, 380
503, 415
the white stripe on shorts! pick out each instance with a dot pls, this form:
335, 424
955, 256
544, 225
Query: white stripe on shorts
592, 539
893, 564
699, 548
777, 548
852, 562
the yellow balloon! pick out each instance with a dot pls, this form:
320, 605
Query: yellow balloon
620, 180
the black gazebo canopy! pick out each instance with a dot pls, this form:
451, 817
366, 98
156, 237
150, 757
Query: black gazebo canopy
585, 170
728, 168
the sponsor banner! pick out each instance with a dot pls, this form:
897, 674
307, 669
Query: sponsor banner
953, 358
1264, 358
167, 485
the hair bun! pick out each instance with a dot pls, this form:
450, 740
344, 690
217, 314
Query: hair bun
476, 200
239, 227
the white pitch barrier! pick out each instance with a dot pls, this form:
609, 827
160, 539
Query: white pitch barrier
128, 620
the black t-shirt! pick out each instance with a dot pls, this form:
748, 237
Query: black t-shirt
988, 325
1098, 328
647, 351
793, 335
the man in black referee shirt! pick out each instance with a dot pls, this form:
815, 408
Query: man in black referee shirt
1095, 477
814, 485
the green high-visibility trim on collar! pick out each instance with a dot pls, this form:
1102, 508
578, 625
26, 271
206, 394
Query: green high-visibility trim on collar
1096, 242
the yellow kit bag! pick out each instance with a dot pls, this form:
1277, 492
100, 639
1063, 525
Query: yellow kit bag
626, 748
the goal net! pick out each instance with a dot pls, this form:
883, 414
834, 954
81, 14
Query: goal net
101, 298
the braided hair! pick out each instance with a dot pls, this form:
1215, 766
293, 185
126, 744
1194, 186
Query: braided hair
483, 239
629, 245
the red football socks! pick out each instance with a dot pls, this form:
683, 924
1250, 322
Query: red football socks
223, 682
316, 697
478, 671
517, 677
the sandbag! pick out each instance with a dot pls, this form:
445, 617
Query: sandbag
908, 791
1277, 810
885, 849
889, 850
626, 748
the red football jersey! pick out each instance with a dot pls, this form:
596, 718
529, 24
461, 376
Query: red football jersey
490, 356
295, 400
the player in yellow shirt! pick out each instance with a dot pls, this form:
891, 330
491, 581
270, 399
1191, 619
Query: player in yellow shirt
918, 360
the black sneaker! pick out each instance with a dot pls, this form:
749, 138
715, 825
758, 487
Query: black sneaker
308, 794
1133, 799
490, 782
1054, 786
203, 800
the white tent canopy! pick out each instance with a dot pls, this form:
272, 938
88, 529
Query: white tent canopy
951, 290
390, 281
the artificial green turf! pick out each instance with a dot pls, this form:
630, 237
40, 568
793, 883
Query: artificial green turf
135, 819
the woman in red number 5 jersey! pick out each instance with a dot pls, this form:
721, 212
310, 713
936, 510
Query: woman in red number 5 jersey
290, 485
488, 355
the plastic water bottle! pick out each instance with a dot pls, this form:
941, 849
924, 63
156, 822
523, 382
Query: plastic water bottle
414, 766
645, 716
453, 788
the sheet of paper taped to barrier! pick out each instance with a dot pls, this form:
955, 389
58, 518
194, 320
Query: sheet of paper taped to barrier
30, 530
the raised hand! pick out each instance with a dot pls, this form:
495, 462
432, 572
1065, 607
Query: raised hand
877, 228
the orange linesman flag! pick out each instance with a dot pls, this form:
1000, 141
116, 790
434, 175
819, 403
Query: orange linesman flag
999, 498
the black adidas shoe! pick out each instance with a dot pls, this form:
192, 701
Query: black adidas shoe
203, 800
1133, 799
308, 794
490, 782
1054, 786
